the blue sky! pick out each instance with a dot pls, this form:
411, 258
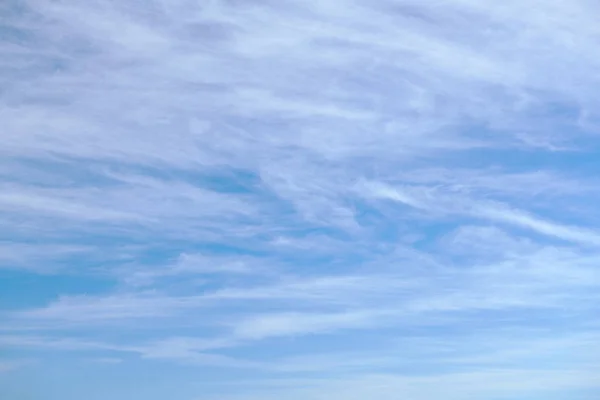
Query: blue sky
301, 200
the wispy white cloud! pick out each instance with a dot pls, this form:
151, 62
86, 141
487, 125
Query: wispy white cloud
442, 202
290, 324
11, 365
107, 360
454, 386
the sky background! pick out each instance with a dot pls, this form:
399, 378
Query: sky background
299, 199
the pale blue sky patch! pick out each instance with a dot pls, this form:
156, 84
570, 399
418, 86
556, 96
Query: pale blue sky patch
261, 200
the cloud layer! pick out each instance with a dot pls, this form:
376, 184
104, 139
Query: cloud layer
299, 199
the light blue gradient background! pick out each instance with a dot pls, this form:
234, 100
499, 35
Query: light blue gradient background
300, 200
